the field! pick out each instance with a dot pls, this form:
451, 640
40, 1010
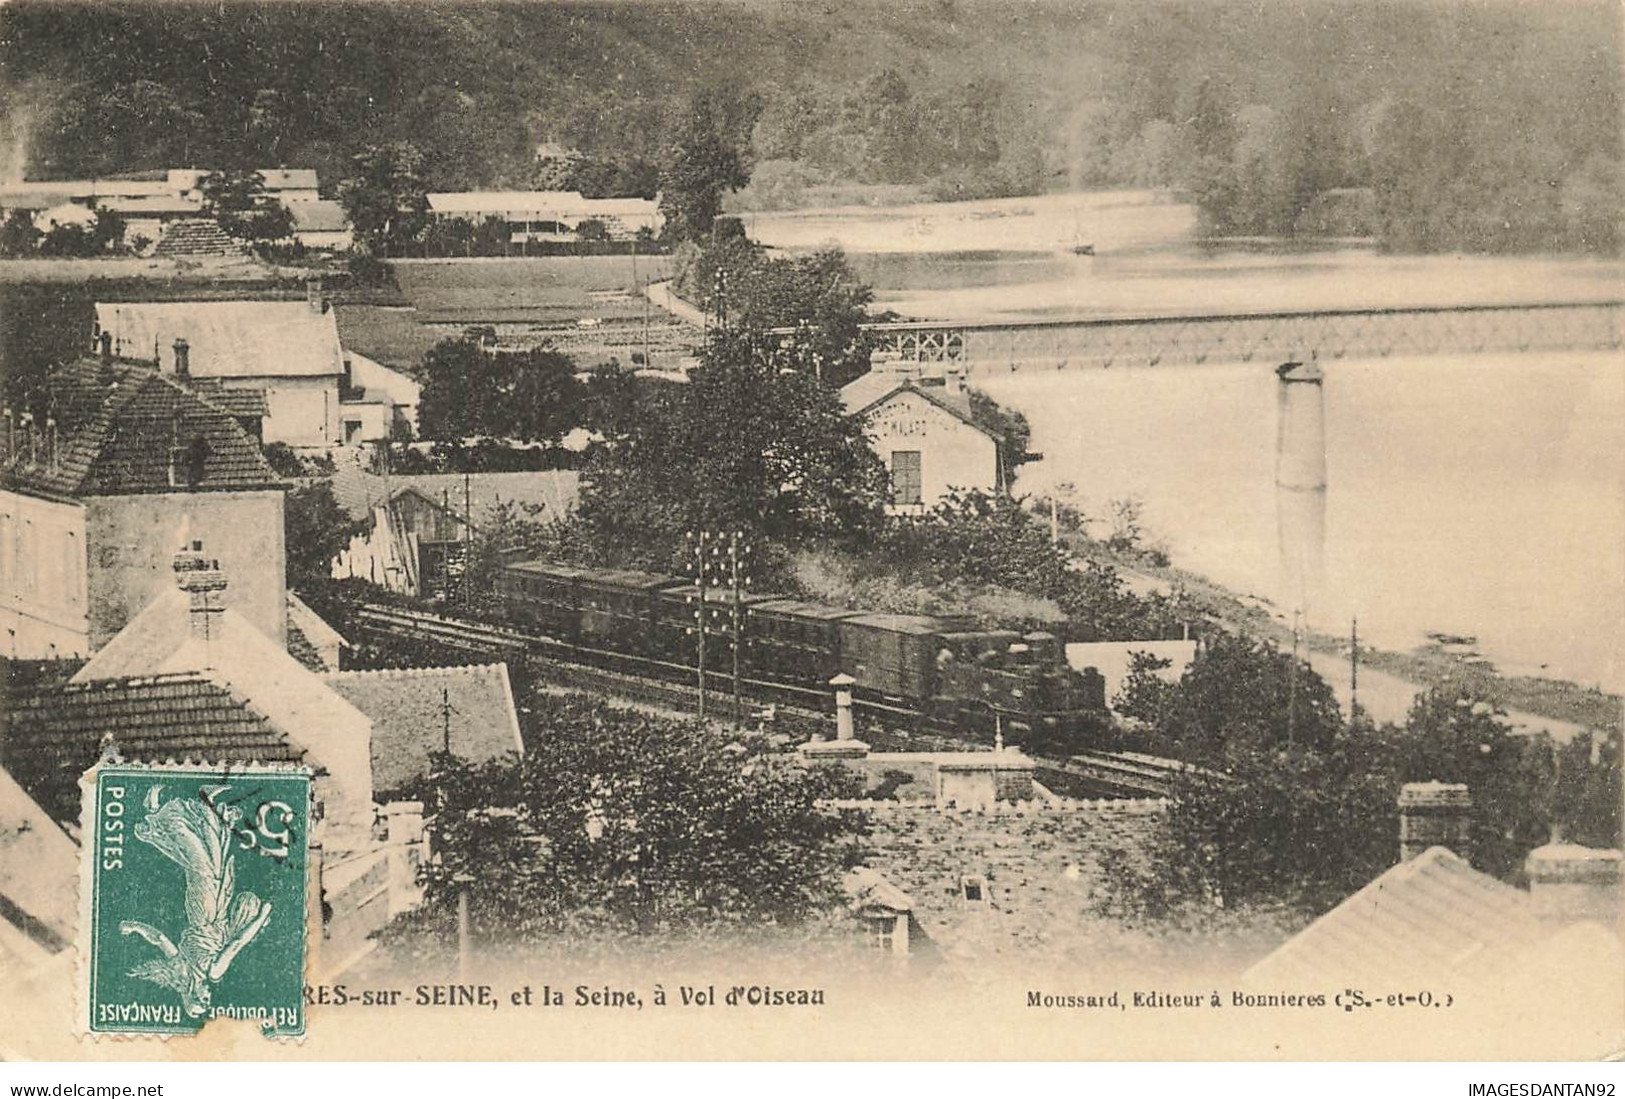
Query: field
553, 290
587, 306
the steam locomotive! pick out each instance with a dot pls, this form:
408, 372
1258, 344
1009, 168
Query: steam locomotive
942, 667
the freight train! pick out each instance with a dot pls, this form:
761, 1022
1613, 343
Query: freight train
942, 667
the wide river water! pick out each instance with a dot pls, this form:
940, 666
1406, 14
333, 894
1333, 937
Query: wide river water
1470, 495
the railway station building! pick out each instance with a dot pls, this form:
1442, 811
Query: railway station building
919, 421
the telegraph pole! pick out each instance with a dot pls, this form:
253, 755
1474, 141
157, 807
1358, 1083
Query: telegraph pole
734, 580
1354, 666
711, 567
700, 570
468, 539
1292, 688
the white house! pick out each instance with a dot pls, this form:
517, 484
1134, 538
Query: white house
549, 215
921, 426
375, 398
316, 395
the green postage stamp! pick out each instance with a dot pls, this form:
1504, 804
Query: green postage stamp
195, 903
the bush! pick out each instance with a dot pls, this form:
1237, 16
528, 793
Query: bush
370, 271
616, 821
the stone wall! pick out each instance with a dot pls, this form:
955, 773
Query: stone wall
1040, 867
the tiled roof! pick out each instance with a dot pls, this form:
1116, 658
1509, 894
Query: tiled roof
50, 737
1431, 917
124, 445
154, 206
413, 710
289, 179
514, 202
301, 649
238, 403
315, 626
309, 634
229, 339
554, 490
877, 387
196, 237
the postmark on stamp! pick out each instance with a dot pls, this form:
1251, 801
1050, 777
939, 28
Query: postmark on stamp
195, 883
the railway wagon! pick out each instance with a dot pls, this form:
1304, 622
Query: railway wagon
796, 639
544, 597
620, 608
673, 638
893, 655
942, 665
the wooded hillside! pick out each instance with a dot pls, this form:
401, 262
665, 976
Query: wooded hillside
1488, 126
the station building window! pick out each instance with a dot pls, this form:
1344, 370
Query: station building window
905, 477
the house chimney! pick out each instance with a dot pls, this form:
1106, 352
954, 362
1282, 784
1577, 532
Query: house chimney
846, 745
1434, 814
313, 295
1570, 884
183, 360
203, 582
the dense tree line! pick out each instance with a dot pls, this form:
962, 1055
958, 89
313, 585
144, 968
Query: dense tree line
1297, 805
1439, 126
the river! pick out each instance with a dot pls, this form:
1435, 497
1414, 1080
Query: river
1467, 495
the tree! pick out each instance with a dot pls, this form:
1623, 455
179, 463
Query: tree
1292, 826
1309, 825
1145, 695
1523, 786
316, 529
1240, 692
107, 231
471, 390
239, 202
754, 442
818, 295
18, 234
616, 821
981, 539
1011, 428
385, 197
703, 161
69, 240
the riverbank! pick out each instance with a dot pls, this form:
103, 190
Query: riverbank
1532, 703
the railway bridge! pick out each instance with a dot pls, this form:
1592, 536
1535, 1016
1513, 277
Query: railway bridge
1272, 337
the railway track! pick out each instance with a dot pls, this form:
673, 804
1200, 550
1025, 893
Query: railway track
645, 679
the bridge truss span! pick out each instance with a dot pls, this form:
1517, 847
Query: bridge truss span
1247, 337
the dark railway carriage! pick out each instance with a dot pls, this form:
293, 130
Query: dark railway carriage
798, 640
619, 609
892, 654
673, 635
544, 597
